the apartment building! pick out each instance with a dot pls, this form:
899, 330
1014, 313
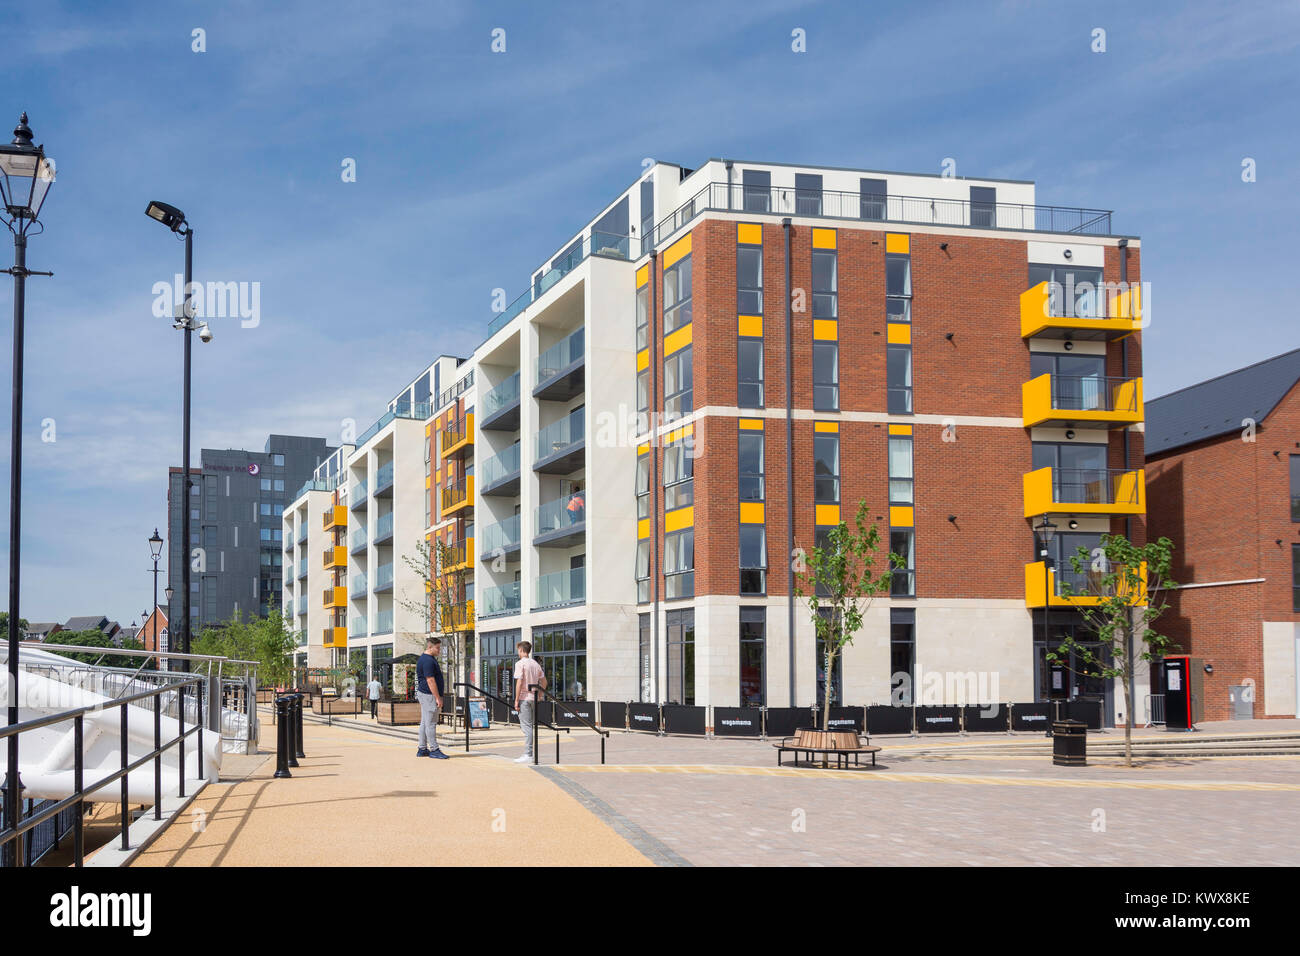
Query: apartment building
1223, 476
237, 501
359, 590
722, 363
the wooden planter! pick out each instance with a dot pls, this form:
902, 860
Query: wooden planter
336, 705
399, 712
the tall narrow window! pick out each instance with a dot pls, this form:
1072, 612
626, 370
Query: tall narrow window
807, 194
872, 198
898, 375
758, 190
825, 284
679, 474
681, 656
643, 571
753, 559
679, 564
643, 485
1295, 487
826, 469
677, 294
983, 206
749, 364
643, 317
753, 651
749, 279
826, 376
679, 379
750, 465
902, 655
900, 469
1295, 577
902, 542
898, 288
643, 397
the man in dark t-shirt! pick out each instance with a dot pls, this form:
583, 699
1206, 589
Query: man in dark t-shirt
428, 691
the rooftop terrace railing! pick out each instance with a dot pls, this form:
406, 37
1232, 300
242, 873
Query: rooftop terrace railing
416, 410
911, 210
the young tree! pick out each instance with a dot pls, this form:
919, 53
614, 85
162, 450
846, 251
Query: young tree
443, 590
840, 577
1130, 584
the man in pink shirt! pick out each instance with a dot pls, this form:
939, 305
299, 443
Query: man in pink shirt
527, 673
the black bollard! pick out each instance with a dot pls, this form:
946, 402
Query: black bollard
291, 749
297, 738
282, 738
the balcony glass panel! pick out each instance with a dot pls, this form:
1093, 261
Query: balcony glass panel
558, 436
561, 513
560, 356
499, 537
560, 588
498, 467
500, 600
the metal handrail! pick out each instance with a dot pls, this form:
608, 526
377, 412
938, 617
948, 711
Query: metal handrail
77, 798
509, 707
555, 700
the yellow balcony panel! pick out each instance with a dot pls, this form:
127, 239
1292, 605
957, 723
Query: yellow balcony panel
1092, 491
1072, 400
1040, 582
1036, 318
335, 637
458, 437
457, 497
335, 597
458, 556
336, 516
335, 557
457, 617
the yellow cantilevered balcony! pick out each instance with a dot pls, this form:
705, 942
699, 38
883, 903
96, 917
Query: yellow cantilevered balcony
335, 637
458, 556
1068, 400
1086, 491
458, 437
1039, 316
336, 556
457, 617
1036, 588
336, 596
458, 497
335, 516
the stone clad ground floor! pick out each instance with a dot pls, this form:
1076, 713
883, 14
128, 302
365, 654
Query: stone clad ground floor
361, 797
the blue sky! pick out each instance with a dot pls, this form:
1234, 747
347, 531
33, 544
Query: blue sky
474, 166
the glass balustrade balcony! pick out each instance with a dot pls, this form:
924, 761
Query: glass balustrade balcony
384, 528
500, 538
560, 372
384, 622
561, 588
384, 578
383, 481
562, 521
561, 445
499, 408
499, 475
497, 601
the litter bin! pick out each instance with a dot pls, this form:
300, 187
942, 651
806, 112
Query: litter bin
1070, 743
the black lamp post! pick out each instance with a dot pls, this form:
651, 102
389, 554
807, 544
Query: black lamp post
26, 175
167, 593
155, 547
174, 219
1045, 529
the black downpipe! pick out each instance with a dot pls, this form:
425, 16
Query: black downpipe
654, 474
789, 451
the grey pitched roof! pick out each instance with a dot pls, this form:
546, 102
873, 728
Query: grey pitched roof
93, 622
1218, 406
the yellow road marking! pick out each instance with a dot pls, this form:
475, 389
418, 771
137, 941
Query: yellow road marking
927, 777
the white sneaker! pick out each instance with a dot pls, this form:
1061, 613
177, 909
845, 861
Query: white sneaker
523, 758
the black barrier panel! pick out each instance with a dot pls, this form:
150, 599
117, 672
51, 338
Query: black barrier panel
737, 721
566, 711
843, 718
683, 719
784, 721
545, 712
1032, 716
643, 717
887, 719
986, 719
935, 719
613, 714
1082, 709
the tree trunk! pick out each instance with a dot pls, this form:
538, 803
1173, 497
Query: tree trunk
1128, 697
826, 688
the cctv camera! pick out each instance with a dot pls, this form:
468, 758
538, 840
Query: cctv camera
205, 333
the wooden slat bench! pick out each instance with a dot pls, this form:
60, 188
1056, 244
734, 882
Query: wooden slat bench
841, 743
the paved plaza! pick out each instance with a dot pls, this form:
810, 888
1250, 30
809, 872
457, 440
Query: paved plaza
362, 797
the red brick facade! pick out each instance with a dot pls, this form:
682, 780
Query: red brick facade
1225, 504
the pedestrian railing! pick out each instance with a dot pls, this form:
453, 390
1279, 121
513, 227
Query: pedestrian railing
537, 721
572, 712
12, 836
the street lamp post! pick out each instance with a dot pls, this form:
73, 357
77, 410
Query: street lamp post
167, 593
174, 219
1044, 529
26, 175
155, 547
